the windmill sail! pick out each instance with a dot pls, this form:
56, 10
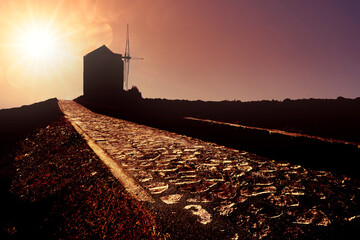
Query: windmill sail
127, 58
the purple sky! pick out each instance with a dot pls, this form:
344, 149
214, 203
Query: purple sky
200, 49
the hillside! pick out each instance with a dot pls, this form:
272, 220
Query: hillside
336, 119
53, 186
333, 118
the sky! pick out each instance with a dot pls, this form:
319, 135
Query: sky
193, 49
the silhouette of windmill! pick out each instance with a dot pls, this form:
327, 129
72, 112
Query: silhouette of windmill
127, 57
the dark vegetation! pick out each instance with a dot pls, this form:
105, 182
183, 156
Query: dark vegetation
53, 186
336, 119
332, 118
17, 123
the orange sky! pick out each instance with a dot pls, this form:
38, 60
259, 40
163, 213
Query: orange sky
193, 49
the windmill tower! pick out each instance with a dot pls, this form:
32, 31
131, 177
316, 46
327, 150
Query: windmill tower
105, 73
127, 57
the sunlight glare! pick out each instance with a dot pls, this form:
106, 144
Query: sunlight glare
43, 45
39, 45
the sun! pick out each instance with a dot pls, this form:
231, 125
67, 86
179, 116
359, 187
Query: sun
39, 44
43, 44
40, 54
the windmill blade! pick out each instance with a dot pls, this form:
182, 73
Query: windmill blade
127, 47
127, 59
137, 58
127, 75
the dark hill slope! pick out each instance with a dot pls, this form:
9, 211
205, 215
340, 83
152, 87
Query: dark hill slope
53, 186
339, 157
18, 122
333, 118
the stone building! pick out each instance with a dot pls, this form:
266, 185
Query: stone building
103, 74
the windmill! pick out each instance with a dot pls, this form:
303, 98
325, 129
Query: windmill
127, 57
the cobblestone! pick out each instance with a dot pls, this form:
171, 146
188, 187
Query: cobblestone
213, 181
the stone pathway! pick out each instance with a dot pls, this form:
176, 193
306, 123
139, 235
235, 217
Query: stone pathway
249, 196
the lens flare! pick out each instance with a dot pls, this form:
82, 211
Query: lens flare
39, 45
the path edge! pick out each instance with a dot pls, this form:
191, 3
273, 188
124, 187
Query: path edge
135, 190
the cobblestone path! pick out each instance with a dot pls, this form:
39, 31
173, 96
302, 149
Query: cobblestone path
252, 197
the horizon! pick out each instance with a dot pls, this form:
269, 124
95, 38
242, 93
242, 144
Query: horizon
205, 101
193, 50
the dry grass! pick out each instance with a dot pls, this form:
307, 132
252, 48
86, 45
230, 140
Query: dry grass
61, 190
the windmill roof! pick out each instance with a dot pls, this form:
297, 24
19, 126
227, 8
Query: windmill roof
103, 50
